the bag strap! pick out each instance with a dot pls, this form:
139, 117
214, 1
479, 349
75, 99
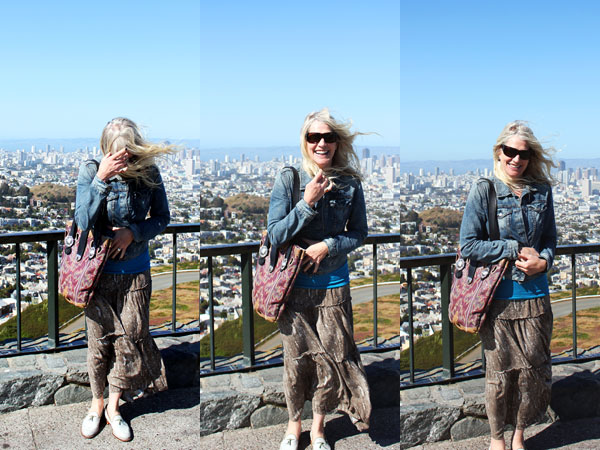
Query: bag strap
493, 211
295, 199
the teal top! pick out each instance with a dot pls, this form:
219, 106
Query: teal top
513, 290
138, 264
338, 278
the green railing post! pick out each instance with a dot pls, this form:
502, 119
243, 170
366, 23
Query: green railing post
375, 295
411, 348
52, 254
447, 331
18, 258
174, 288
574, 303
247, 310
211, 311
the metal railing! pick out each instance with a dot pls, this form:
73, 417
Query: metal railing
246, 251
445, 262
51, 239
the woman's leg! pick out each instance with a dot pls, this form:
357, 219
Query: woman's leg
518, 440
318, 426
294, 428
113, 403
97, 405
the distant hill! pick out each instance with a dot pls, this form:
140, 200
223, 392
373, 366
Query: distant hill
472, 165
53, 193
248, 204
441, 218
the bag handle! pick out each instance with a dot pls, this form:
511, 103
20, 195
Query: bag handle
295, 199
96, 230
493, 211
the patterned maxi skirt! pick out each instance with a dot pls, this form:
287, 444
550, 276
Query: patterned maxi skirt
321, 360
518, 377
120, 348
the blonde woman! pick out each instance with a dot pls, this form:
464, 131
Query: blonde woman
321, 360
516, 334
120, 348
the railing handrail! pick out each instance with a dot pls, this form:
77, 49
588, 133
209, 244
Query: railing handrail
51, 238
246, 250
445, 261
58, 235
448, 258
252, 247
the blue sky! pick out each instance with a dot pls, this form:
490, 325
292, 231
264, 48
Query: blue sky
68, 67
231, 73
470, 67
267, 64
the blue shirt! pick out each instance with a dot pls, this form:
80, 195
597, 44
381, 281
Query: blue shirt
140, 263
338, 278
513, 290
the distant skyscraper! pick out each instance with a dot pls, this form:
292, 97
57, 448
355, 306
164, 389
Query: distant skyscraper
562, 165
437, 171
390, 176
369, 166
190, 167
366, 153
243, 158
586, 188
421, 172
226, 159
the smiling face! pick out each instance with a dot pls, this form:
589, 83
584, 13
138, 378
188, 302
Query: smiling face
321, 153
515, 167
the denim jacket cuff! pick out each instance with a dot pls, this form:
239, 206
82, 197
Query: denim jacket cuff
548, 259
305, 210
332, 248
513, 247
137, 237
102, 187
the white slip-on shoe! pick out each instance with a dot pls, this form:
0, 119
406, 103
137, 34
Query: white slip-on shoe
320, 444
290, 442
90, 425
120, 429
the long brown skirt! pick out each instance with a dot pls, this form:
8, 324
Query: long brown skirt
518, 377
321, 360
120, 348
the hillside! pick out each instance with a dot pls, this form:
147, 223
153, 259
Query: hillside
248, 204
53, 193
441, 218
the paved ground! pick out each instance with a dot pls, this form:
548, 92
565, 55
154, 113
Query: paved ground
583, 434
167, 420
340, 433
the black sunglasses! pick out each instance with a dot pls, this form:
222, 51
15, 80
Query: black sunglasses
512, 152
315, 138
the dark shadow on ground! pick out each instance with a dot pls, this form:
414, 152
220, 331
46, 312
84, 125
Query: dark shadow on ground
160, 402
384, 430
563, 433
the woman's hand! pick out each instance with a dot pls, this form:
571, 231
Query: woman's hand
313, 256
123, 237
529, 261
113, 164
316, 188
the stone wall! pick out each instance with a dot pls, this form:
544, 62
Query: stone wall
61, 378
457, 411
256, 399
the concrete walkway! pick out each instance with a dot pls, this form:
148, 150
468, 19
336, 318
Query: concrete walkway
340, 433
167, 420
583, 434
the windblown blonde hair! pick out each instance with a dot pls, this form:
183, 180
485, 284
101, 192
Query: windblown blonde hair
540, 161
122, 133
345, 160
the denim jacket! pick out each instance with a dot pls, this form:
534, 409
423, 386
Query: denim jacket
523, 222
127, 205
339, 218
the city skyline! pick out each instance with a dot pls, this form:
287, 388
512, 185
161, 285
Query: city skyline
468, 68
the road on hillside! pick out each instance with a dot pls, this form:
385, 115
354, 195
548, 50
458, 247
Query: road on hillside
159, 281
560, 308
360, 294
